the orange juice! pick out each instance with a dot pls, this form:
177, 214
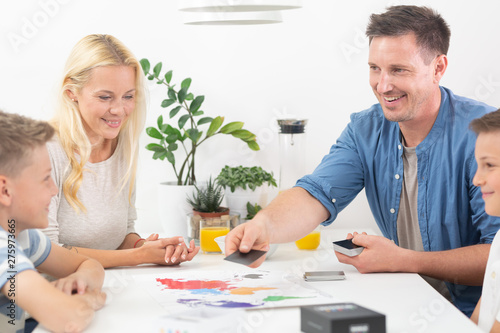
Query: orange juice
207, 236
309, 242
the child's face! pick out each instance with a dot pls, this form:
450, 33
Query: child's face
31, 192
488, 170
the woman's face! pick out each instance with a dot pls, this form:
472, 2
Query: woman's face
106, 101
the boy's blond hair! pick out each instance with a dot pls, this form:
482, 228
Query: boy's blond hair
490, 122
19, 135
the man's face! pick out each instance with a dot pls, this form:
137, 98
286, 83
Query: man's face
399, 77
488, 170
32, 190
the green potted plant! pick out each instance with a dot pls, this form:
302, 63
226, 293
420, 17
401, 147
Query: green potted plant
206, 204
245, 184
206, 201
178, 136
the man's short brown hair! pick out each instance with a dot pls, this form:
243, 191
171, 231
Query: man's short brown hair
430, 29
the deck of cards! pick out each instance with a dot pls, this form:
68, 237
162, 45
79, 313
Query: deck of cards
347, 247
324, 276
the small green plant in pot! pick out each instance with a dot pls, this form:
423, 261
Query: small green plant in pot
206, 201
206, 204
245, 184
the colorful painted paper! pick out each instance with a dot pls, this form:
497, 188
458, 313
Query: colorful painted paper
181, 290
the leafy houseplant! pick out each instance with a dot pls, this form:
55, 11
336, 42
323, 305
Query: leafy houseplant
244, 184
252, 210
186, 132
208, 200
243, 177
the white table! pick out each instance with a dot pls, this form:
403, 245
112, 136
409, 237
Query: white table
409, 303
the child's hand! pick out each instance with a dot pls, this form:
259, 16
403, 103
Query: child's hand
72, 284
95, 298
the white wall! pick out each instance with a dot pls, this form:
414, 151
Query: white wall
313, 65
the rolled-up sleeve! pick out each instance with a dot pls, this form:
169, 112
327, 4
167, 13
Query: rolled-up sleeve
339, 177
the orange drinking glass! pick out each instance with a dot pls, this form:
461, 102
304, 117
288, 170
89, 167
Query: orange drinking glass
210, 228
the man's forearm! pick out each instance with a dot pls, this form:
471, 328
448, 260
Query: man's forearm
293, 214
465, 265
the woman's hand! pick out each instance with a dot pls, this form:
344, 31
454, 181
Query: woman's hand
167, 251
176, 254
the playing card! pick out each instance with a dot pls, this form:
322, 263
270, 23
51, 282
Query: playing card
245, 258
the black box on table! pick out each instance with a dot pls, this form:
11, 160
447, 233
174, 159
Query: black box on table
340, 318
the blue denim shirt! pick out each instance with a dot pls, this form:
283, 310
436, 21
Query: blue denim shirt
450, 209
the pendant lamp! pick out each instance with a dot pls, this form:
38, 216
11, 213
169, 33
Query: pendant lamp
238, 18
237, 5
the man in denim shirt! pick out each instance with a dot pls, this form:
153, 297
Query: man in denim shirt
413, 154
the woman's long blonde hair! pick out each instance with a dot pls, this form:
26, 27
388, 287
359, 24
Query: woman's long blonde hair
90, 52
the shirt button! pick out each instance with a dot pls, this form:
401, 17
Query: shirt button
399, 147
396, 176
334, 200
493, 275
392, 210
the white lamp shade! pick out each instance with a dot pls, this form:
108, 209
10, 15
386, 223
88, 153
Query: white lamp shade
232, 18
237, 5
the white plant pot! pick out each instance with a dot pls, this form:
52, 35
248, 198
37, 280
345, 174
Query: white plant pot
173, 208
237, 200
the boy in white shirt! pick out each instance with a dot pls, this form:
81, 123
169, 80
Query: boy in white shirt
26, 187
487, 128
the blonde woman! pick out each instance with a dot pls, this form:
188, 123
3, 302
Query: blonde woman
100, 115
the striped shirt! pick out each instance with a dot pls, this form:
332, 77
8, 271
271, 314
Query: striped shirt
29, 250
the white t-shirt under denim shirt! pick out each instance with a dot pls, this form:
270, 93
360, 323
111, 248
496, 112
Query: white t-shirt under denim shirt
490, 297
29, 250
109, 216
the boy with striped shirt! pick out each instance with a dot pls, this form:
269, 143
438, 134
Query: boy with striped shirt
26, 187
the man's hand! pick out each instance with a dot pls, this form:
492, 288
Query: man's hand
380, 255
252, 235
